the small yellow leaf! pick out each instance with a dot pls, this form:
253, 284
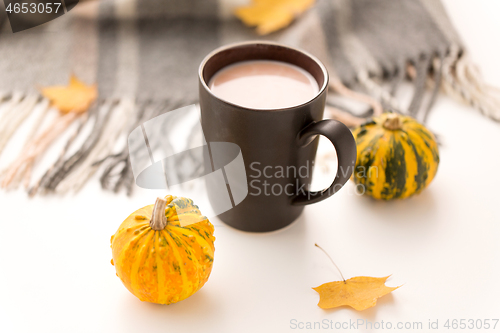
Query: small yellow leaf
75, 97
359, 292
272, 15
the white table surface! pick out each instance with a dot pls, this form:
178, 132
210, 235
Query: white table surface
442, 246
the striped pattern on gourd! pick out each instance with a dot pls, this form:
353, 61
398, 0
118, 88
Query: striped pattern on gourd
164, 266
397, 157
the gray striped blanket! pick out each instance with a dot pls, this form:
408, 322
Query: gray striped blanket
144, 57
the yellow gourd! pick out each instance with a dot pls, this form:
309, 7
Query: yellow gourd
158, 259
397, 157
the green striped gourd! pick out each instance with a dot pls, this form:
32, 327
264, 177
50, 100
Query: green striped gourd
397, 157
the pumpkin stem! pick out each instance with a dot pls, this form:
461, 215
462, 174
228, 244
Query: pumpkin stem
337, 267
158, 220
393, 122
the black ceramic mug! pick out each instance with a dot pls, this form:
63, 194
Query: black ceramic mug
278, 146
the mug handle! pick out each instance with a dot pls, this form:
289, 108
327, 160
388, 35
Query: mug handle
345, 145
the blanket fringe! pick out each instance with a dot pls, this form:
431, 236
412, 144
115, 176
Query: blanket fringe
462, 80
18, 108
454, 74
346, 117
104, 147
101, 118
377, 91
42, 182
422, 66
109, 121
21, 167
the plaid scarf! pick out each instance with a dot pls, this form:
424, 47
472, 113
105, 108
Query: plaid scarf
144, 56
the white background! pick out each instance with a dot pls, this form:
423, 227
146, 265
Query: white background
441, 246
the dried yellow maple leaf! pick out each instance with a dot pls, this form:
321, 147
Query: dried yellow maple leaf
75, 97
271, 15
360, 292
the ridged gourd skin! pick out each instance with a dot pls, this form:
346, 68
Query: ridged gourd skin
164, 266
397, 157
